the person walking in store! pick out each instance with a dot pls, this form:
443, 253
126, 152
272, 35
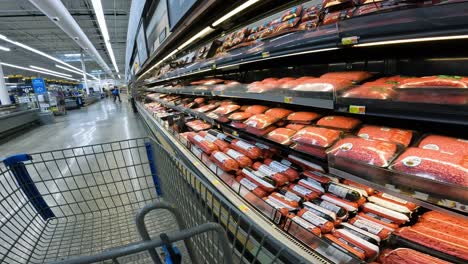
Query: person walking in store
116, 93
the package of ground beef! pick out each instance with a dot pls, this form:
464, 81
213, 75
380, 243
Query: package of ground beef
372, 152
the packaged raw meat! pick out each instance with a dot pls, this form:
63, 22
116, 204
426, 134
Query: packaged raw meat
305, 164
372, 152
278, 113
379, 219
432, 97
263, 181
295, 127
349, 206
331, 3
198, 125
367, 189
354, 76
278, 201
340, 122
381, 91
336, 16
240, 125
261, 121
340, 212
394, 216
315, 219
306, 193
224, 162
211, 137
281, 136
311, 150
346, 246
440, 81
381, 231
317, 136
311, 13
253, 187
303, 223
201, 142
433, 164
291, 195
245, 148
259, 132
226, 109
394, 200
369, 237
320, 85
308, 25
243, 160
370, 250
438, 242
409, 256
302, 117
239, 116
279, 178
291, 173
445, 144
292, 13
395, 135
256, 109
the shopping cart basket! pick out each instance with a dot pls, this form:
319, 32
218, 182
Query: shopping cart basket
80, 204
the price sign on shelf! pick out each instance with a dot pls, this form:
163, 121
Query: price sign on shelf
350, 40
265, 54
288, 100
357, 109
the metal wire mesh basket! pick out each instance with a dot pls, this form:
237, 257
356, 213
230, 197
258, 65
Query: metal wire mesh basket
82, 201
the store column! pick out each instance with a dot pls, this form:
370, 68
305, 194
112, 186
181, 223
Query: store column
83, 68
4, 96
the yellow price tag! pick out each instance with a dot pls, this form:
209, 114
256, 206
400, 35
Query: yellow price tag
215, 182
234, 133
213, 67
357, 109
350, 40
288, 100
243, 208
265, 54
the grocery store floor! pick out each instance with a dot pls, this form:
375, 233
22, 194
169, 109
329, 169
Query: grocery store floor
101, 122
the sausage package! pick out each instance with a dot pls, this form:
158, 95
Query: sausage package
224, 162
372, 152
394, 135
433, 164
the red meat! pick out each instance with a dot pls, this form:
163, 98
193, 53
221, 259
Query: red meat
223, 161
243, 160
321, 85
256, 109
409, 256
259, 132
440, 81
434, 165
239, 116
281, 135
278, 113
317, 136
372, 90
395, 135
312, 150
198, 125
295, 127
354, 76
226, 109
373, 152
445, 144
341, 122
433, 97
433, 242
302, 117
260, 121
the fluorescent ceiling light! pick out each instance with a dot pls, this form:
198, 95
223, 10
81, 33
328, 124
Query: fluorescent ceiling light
411, 40
97, 6
77, 72
4, 48
200, 34
119, 76
2, 37
72, 55
34, 70
234, 12
46, 70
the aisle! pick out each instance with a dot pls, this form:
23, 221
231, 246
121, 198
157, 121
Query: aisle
100, 122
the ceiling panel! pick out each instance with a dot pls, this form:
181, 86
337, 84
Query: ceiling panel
22, 22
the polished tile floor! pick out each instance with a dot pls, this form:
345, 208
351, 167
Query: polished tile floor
101, 122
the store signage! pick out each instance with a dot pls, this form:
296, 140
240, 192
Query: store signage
39, 86
177, 9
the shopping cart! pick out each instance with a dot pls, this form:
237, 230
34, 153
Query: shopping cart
79, 205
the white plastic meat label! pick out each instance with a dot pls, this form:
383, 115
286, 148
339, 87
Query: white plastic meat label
234, 154
265, 169
393, 198
330, 206
210, 138
248, 184
313, 218
313, 184
303, 223
257, 179
221, 157
283, 205
313, 207
262, 146
278, 167
244, 145
338, 190
368, 226
378, 217
292, 196
198, 138
301, 190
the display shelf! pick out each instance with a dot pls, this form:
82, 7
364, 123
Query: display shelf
422, 191
242, 199
398, 26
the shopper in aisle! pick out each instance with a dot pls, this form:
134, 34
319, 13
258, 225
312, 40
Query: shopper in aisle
116, 93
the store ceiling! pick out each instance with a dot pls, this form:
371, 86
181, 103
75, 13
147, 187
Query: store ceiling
21, 21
